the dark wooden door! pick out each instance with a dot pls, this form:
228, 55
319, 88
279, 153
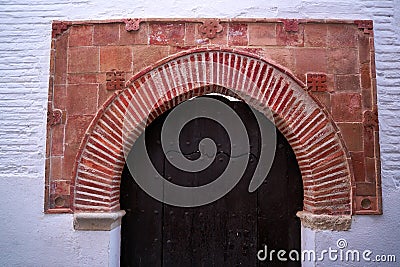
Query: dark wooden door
227, 232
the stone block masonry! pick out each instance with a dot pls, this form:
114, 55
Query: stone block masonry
326, 119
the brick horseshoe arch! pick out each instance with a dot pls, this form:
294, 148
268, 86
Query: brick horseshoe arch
313, 135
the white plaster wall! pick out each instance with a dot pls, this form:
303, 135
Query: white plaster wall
30, 238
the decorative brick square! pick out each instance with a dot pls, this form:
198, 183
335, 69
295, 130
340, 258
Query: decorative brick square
317, 82
210, 28
115, 80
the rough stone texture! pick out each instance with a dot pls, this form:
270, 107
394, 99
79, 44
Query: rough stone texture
98, 221
32, 238
324, 222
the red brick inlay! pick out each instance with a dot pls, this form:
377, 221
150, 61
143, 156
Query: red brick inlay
115, 80
132, 24
310, 131
58, 28
365, 25
210, 28
317, 82
55, 117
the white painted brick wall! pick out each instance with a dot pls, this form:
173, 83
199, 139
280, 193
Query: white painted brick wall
25, 31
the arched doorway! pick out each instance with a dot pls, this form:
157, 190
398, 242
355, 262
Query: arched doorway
227, 232
306, 125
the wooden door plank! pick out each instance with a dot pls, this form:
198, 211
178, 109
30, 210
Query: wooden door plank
193, 235
295, 203
141, 233
275, 198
